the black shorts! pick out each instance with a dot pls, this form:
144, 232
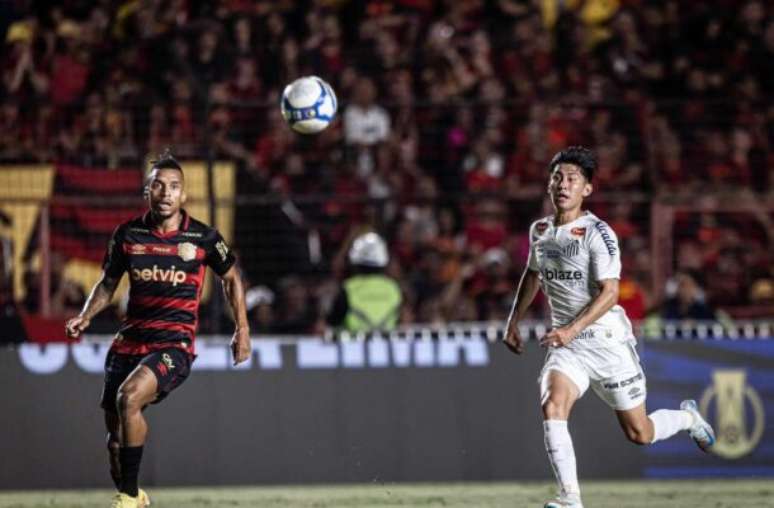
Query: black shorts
171, 367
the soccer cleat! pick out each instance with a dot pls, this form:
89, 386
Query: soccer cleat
562, 504
701, 432
565, 501
143, 499
122, 500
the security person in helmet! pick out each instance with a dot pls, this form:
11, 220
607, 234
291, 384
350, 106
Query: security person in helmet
368, 300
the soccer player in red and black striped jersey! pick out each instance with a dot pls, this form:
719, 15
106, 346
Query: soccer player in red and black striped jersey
165, 252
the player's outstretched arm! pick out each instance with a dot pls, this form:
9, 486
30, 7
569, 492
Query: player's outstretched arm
528, 288
603, 302
100, 297
235, 294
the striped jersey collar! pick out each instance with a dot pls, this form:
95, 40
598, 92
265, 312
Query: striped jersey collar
184, 223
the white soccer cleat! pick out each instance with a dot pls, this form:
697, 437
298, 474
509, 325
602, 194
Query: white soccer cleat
565, 501
562, 504
701, 432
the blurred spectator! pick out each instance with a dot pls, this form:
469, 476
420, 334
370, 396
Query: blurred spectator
258, 302
23, 76
66, 296
10, 321
686, 300
486, 228
762, 292
71, 65
632, 298
492, 286
365, 125
295, 311
368, 299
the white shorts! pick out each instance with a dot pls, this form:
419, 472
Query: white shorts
614, 373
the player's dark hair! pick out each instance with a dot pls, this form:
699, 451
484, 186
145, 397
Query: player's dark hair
166, 161
579, 156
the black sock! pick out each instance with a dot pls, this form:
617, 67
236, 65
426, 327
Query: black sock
130, 457
115, 467
116, 479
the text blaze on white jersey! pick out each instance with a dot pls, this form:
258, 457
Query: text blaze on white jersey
571, 259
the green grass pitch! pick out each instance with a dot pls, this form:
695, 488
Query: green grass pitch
630, 494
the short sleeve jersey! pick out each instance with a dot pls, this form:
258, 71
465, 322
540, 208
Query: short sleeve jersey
571, 259
166, 275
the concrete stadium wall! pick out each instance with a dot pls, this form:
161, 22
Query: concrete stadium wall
306, 412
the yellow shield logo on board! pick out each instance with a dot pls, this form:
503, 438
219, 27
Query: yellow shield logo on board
732, 396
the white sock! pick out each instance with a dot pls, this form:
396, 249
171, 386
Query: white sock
668, 422
561, 454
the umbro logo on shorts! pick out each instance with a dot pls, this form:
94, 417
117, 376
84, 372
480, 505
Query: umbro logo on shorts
624, 383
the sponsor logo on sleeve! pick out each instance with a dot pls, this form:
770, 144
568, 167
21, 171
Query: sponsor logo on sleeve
578, 231
541, 226
609, 242
222, 249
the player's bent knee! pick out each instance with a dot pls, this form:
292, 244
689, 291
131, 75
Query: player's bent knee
555, 409
638, 435
129, 400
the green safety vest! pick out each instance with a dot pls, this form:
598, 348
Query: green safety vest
374, 303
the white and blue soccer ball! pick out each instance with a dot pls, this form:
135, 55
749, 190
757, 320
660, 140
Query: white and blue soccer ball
309, 105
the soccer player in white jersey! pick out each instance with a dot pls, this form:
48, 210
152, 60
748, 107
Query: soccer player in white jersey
575, 259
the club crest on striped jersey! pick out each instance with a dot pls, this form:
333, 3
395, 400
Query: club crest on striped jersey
186, 251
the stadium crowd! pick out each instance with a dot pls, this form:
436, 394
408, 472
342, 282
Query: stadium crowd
450, 111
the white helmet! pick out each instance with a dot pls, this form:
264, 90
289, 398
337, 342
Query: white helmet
369, 250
